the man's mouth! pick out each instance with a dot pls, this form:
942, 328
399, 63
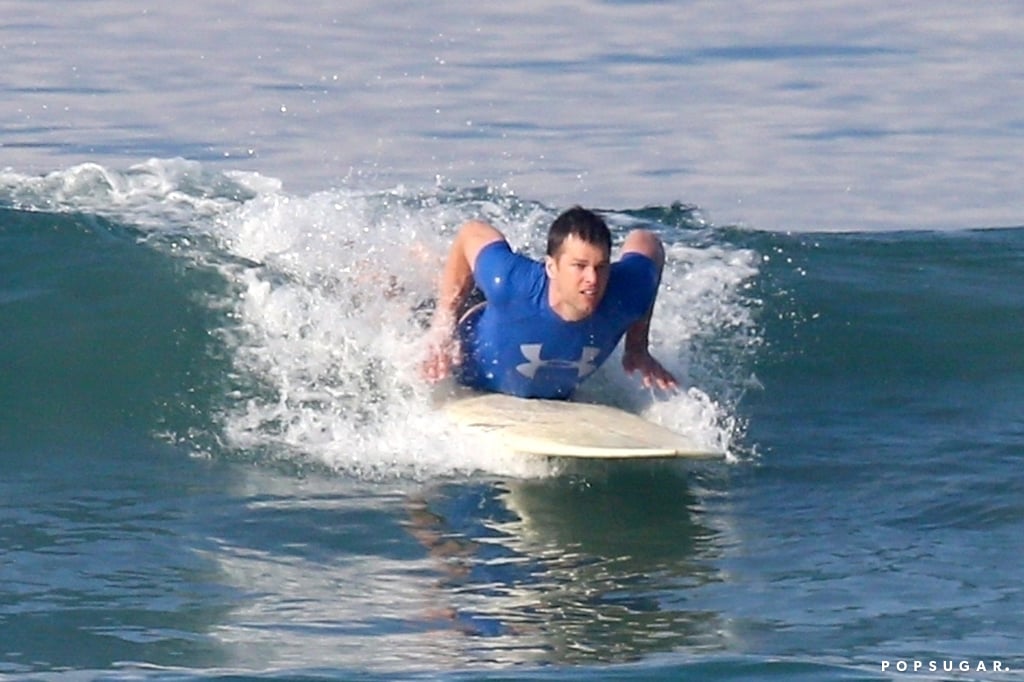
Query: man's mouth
589, 295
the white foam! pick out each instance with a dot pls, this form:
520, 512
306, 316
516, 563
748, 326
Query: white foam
157, 194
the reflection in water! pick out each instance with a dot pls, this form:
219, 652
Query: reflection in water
589, 567
600, 564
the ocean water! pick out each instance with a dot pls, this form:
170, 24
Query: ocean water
220, 224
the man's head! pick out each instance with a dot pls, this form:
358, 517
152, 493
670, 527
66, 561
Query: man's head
583, 224
578, 263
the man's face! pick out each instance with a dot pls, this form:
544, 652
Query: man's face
579, 276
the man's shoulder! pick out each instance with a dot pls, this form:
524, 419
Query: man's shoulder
505, 275
633, 266
493, 255
633, 282
635, 257
498, 257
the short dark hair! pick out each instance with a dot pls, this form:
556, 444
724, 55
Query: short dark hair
584, 224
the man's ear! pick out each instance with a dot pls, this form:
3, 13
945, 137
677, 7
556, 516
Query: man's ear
549, 266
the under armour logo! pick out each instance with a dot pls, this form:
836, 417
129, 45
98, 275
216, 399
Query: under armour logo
531, 351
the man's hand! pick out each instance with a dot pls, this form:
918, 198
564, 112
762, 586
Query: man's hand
651, 372
443, 353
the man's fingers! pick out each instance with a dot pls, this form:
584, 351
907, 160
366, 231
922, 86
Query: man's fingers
434, 368
660, 377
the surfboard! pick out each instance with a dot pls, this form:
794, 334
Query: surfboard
558, 428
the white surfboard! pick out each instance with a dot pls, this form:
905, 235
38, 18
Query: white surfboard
566, 429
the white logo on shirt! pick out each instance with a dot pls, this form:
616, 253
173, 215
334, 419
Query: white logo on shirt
531, 351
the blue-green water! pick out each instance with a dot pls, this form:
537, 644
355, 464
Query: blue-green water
217, 225
212, 468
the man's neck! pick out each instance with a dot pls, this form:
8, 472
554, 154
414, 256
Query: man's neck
562, 309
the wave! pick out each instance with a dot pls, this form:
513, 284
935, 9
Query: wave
902, 306
235, 319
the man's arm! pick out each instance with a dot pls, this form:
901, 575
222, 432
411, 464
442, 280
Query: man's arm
455, 284
636, 355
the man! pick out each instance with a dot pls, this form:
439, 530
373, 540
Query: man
545, 327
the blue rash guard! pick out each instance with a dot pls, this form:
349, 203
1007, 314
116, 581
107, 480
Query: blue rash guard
517, 344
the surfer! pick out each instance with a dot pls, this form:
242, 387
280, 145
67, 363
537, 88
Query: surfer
543, 328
